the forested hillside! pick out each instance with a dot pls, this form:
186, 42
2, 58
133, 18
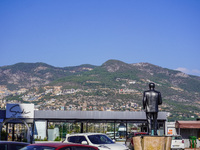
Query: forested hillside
111, 85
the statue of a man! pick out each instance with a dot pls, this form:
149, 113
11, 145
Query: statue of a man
151, 100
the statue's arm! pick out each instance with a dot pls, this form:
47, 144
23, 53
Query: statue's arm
160, 99
144, 101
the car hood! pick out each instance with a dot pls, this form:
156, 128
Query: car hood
114, 146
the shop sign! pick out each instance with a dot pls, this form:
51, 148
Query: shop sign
20, 111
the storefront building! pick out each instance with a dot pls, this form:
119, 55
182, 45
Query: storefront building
20, 122
185, 129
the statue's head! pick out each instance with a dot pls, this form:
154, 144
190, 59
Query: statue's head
151, 86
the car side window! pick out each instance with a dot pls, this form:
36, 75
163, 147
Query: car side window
16, 146
72, 139
76, 139
77, 148
83, 148
103, 139
81, 139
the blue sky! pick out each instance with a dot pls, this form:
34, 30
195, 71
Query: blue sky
74, 32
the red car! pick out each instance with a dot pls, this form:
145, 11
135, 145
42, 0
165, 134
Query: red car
58, 146
129, 140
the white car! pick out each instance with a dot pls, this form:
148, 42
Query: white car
102, 141
177, 142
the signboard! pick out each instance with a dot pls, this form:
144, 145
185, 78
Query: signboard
170, 132
20, 111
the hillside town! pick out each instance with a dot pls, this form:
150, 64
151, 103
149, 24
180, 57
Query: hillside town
52, 103
57, 98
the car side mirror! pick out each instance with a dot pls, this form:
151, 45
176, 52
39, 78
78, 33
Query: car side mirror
84, 142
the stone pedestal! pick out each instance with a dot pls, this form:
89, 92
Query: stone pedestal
152, 143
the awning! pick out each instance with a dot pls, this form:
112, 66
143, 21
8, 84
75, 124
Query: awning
187, 124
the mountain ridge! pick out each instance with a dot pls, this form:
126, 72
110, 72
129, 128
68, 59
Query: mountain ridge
110, 83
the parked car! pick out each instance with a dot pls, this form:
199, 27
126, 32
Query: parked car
113, 136
11, 145
58, 146
129, 140
102, 141
177, 142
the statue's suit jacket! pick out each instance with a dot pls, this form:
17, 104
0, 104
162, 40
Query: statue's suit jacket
151, 100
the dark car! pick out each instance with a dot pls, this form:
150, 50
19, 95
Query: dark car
129, 140
11, 145
58, 146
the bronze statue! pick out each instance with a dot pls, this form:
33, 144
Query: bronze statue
151, 100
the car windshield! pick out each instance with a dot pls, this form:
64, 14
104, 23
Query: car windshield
140, 134
100, 139
176, 138
32, 147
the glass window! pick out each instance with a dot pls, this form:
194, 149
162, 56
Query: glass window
72, 139
176, 138
76, 139
32, 147
77, 148
16, 146
100, 139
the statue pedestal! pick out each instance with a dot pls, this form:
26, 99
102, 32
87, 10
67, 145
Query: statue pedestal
152, 143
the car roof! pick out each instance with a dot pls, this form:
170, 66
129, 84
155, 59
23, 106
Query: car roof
13, 142
56, 145
86, 134
174, 135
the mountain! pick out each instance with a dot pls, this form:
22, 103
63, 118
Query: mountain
27, 75
114, 83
